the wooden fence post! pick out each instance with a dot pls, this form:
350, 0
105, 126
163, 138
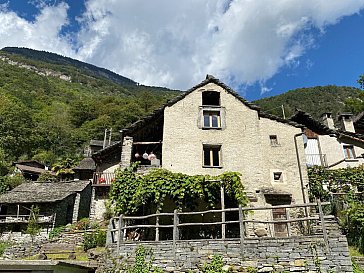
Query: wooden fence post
242, 230
175, 230
157, 228
120, 237
288, 223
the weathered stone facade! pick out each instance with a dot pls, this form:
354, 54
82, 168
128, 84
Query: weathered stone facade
333, 149
297, 254
245, 144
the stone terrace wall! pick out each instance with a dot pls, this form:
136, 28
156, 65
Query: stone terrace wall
299, 254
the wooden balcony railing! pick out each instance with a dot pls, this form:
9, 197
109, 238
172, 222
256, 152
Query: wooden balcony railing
25, 219
103, 179
316, 160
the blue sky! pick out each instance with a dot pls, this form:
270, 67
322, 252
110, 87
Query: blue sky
260, 48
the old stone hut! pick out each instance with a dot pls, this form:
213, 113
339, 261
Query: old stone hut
59, 203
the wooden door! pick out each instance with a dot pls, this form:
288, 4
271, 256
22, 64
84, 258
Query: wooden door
280, 229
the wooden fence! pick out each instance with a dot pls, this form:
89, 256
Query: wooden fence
119, 226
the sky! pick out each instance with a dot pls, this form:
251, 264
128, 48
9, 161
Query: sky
259, 48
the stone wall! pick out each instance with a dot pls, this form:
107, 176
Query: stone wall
299, 254
244, 139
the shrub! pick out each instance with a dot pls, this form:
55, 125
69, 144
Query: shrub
94, 239
56, 231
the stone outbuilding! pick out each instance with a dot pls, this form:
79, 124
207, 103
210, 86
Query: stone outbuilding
59, 203
30, 169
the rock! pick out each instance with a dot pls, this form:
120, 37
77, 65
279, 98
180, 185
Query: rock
94, 254
42, 256
260, 232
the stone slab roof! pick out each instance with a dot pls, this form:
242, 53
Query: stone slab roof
29, 169
86, 164
42, 192
311, 123
209, 79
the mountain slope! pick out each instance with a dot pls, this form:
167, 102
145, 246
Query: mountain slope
50, 109
314, 100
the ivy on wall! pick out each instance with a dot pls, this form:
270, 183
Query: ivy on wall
131, 191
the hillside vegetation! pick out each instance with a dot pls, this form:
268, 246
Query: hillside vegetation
50, 106
314, 100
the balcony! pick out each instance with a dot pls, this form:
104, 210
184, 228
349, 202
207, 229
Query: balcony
103, 179
316, 160
18, 219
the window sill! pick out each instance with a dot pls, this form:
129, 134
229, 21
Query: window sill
276, 145
351, 159
211, 128
215, 167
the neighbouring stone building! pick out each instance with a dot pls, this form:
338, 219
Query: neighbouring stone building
59, 203
210, 129
30, 169
329, 145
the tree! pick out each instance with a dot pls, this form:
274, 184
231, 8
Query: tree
33, 227
361, 81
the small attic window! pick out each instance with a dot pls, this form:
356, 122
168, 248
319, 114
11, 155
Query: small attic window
211, 98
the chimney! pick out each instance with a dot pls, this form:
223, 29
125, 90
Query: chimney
346, 122
328, 120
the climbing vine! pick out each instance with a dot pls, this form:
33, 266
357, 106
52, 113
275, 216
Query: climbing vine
339, 180
351, 213
131, 191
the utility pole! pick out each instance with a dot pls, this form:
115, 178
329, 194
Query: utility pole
284, 115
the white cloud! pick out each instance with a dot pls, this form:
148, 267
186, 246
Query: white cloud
176, 43
43, 33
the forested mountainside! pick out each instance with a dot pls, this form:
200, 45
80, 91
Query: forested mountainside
314, 100
50, 106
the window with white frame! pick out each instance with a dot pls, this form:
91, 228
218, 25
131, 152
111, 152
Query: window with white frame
212, 156
349, 151
211, 119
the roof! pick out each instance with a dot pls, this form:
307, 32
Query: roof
209, 79
86, 164
42, 192
29, 169
311, 123
32, 163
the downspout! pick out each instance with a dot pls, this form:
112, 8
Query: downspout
300, 170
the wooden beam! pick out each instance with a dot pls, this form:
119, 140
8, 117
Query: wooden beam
147, 142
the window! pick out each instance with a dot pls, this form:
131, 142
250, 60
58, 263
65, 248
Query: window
278, 177
212, 156
273, 140
211, 98
349, 151
211, 119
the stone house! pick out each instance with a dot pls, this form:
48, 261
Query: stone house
209, 130
30, 169
59, 203
331, 145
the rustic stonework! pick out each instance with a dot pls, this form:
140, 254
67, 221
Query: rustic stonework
299, 254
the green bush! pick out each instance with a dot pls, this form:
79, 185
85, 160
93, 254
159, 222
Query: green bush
3, 246
56, 231
94, 239
215, 266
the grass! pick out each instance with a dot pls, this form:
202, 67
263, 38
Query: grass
354, 252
